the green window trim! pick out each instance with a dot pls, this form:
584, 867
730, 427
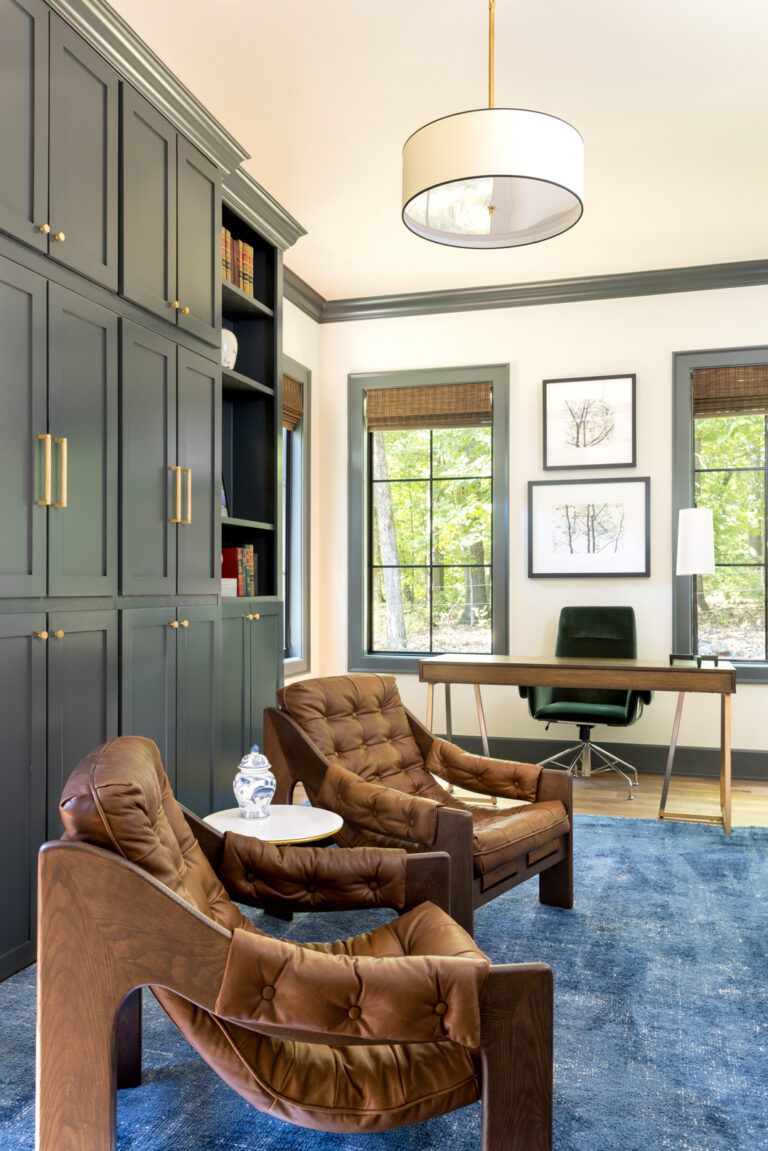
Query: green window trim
359, 658
683, 487
296, 530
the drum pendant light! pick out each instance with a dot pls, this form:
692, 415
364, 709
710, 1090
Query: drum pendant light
493, 177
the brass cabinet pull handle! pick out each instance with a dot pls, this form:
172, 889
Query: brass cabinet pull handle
62, 442
59, 236
185, 623
41, 635
44, 228
176, 519
46, 500
174, 623
188, 474
185, 310
59, 634
174, 303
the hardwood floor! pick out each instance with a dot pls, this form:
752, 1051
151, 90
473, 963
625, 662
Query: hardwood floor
607, 795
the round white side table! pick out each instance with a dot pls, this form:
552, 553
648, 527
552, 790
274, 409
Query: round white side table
286, 823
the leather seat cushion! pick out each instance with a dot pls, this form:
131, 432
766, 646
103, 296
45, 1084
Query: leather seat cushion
501, 836
574, 711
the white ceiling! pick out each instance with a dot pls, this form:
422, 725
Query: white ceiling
670, 96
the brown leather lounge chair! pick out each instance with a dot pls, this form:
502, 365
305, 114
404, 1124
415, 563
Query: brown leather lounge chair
358, 752
404, 1023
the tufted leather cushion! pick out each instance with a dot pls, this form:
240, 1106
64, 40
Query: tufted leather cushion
360, 723
119, 798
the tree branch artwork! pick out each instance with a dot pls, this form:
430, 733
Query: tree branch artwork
590, 421
588, 529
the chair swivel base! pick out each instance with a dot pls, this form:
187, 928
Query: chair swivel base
577, 761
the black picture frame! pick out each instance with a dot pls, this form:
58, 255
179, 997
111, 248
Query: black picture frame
596, 528
589, 422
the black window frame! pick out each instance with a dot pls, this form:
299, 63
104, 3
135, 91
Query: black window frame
360, 658
296, 528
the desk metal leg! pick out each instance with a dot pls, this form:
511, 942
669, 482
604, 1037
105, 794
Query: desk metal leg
724, 819
481, 719
448, 723
430, 703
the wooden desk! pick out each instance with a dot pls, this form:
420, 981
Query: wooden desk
629, 675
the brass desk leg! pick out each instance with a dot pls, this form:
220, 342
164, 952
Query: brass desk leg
448, 723
430, 702
725, 761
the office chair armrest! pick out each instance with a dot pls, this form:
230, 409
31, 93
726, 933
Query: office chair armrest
505, 778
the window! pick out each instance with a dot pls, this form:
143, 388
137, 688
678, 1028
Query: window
295, 547
427, 515
721, 455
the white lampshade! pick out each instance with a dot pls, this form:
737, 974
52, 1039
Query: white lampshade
695, 542
493, 178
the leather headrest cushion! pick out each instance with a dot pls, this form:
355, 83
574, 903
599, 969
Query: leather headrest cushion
119, 798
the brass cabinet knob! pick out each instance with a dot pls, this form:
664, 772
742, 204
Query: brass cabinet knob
59, 236
173, 623
44, 228
59, 634
174, 303
185, 623
41, 634
256, 615
250, 615
185, 310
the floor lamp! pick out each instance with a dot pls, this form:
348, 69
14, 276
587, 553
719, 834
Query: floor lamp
695, 556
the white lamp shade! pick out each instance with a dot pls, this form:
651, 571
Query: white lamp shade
493, 178
695, 542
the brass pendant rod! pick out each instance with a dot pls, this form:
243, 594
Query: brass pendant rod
491, 37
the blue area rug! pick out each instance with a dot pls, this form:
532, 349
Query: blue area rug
661, 1005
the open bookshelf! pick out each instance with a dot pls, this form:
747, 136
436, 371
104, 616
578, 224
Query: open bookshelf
250, 399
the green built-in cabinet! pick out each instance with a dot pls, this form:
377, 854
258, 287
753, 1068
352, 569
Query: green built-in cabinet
119, 433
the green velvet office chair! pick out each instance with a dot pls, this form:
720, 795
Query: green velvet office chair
591, 633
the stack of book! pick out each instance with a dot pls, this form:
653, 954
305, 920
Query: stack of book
237, 261
239, 565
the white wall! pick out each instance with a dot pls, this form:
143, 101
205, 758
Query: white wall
615, 336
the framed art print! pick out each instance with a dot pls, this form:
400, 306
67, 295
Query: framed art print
589, 527
589, 422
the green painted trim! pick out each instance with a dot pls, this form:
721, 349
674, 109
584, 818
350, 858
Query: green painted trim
682, 485
358, 658
649, 759
254, 204
705, 277
299, 292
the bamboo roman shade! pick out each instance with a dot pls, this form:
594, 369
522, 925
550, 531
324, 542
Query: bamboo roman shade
731, 391
293, 404
441, 406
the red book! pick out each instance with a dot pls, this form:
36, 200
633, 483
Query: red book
229, 563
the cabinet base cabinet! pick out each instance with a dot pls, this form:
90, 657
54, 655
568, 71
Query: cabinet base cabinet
169, 689
251, 673
22, 815
58, 674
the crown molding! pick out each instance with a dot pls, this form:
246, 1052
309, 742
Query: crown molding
108, 33
704, 277
254, 204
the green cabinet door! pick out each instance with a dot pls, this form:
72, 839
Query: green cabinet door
199, 648
23, 417
82, 694
82, 421
84, 126
148, 455
199, 457
199, 244
148, 679
24, 120
251, 673
22, 756
148, 203
169, 689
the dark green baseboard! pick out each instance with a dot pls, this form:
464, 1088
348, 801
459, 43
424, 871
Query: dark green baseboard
649, 759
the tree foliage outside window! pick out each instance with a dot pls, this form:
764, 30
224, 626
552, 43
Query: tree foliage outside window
731, 478
430, 577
